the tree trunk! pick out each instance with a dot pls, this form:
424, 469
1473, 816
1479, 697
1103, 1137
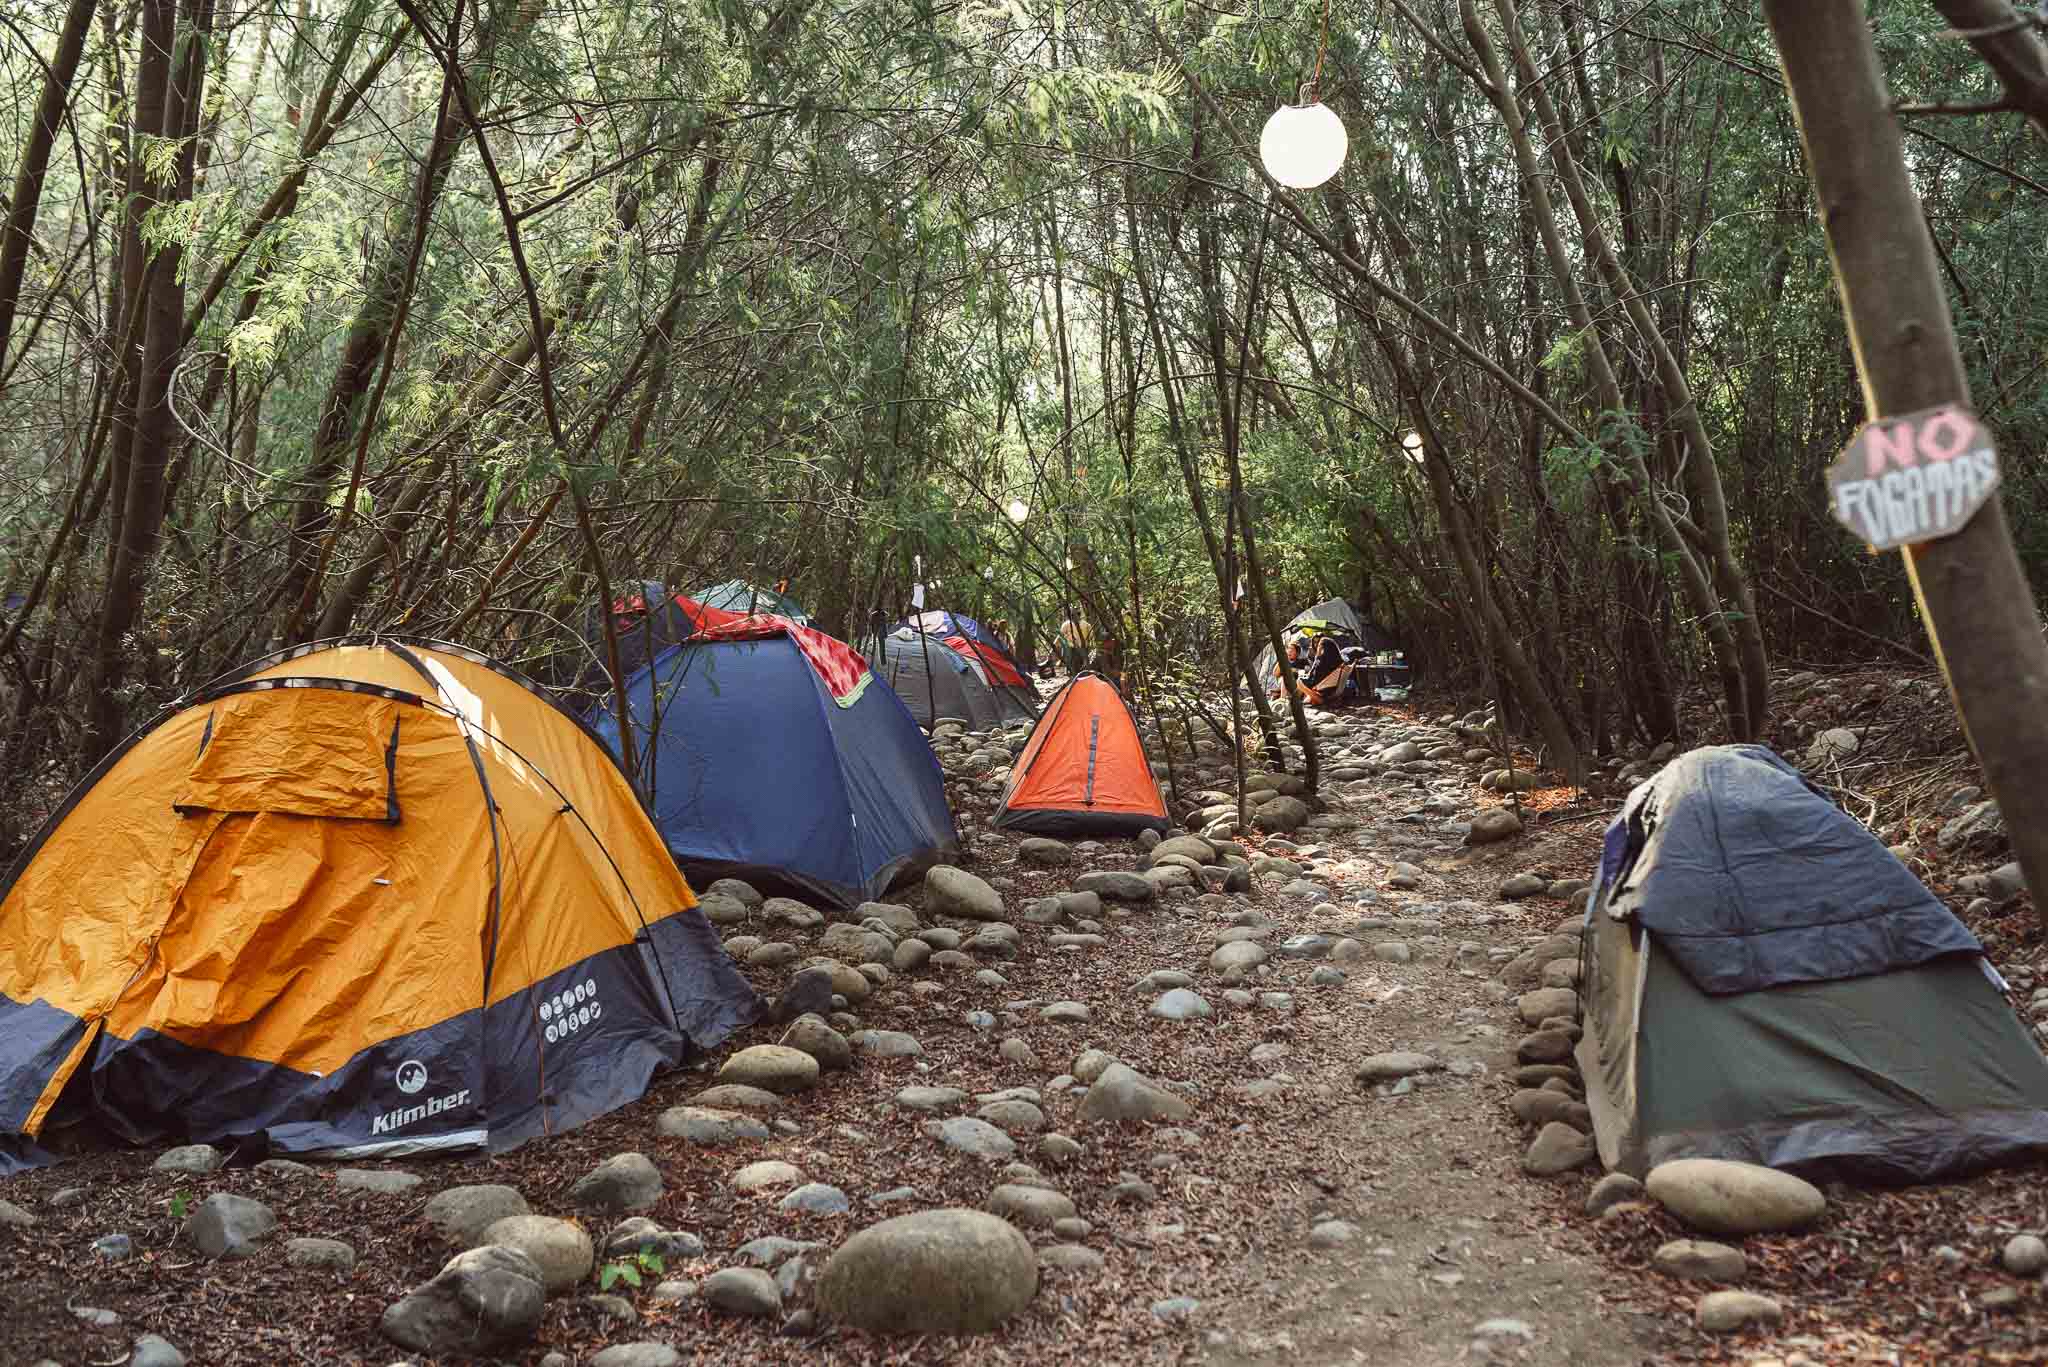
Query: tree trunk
1230, 400
35, 163
167, 106
507, 367
1181, 439
1544, 710
1699, 588
1971, 590
343, 408
1702, 480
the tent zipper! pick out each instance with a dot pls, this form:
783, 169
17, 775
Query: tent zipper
1094, 730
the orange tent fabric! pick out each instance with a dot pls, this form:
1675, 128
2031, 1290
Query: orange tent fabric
371, 896
1084, 771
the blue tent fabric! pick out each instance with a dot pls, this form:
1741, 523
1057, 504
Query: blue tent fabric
19, 1154
940, 622
651, 618
1751, 878
752, 771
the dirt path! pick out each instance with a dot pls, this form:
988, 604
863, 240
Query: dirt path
1451, 1234
1204, 1235
1452, 1238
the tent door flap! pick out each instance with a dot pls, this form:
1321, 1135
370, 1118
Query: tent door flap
320, 752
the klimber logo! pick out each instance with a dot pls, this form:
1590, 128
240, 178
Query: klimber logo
412, 1076
405, 1115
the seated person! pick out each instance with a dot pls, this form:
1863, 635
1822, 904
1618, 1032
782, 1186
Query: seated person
1325, 676
1297, 648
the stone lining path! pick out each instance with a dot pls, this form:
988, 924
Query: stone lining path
1141, 1060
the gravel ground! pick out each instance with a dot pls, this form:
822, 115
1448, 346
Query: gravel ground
1445, 1232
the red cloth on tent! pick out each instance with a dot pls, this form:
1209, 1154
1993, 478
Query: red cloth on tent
998, 669
627, 612
843, 669
704, 615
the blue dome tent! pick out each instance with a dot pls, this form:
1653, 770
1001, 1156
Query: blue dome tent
645, 618
771, 752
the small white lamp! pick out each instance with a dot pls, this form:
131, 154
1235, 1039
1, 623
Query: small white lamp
1017, 511
1303, 145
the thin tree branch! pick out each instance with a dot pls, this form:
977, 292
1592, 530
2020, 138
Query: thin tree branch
2010, 46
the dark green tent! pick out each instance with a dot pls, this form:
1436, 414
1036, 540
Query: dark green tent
1764, 982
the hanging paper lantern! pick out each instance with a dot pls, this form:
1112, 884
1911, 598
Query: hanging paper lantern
1303, 145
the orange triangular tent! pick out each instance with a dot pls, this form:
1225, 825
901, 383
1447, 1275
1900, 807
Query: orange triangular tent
1084, 772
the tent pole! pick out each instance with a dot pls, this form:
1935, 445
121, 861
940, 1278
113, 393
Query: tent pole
925, 648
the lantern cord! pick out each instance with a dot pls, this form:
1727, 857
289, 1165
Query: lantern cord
1315, 85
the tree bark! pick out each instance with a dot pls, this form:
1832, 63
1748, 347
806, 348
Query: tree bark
35, 163
2011, 49
1972, 593
1699, 588
1702, 479
167, 103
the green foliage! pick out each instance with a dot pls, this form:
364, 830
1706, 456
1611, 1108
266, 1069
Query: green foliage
158, 159
1566, 354
1570, 467
630, 1270
955, 257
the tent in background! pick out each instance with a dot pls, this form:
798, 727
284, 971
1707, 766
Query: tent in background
934, 680
941, 623
989, 652
1334, 616
1765, 982
1084, 770
743, 599
771, 752
646, 619
373, 896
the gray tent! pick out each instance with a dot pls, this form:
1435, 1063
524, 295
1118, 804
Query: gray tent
1389, 682
934, 680
1764, 982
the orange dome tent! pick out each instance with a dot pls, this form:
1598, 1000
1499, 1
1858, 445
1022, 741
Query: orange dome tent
375, 896
1084, 772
